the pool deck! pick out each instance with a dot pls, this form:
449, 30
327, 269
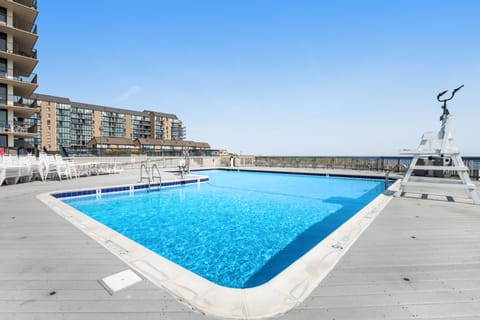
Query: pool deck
420, 258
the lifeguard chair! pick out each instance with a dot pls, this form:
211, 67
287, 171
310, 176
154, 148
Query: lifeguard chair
438, 152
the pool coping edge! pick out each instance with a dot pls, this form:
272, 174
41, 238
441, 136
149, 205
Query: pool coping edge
276, 297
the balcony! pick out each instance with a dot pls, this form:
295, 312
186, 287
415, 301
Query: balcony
18, 129
24, 62
32, 54
22, 86
27, 3
26, 9
20, 108
19, 22
25, 35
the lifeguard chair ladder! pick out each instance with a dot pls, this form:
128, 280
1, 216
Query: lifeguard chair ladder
440, 144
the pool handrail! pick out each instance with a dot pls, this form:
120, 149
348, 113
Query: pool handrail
149, 171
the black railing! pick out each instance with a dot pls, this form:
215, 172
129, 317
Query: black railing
31, 54
394, 164
27, 3
22, 102
30, 79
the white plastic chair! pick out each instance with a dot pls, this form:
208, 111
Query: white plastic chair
61, 168
37, 166
12, 169
49, 165
2, 173
71, 168
25, 172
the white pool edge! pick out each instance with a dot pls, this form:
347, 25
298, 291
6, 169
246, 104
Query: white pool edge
276, 297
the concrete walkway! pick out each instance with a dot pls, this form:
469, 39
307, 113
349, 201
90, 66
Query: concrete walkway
419, 259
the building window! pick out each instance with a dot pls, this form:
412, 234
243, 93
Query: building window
3, 140
3, 118
3, 42
3, 15
3, 93
3, 67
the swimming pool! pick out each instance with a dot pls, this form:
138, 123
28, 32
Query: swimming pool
278, 262
238, 230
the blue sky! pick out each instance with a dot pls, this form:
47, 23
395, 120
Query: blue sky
273, 77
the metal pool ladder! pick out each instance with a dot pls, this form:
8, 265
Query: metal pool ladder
149, 172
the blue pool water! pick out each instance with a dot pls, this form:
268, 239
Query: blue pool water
238, 230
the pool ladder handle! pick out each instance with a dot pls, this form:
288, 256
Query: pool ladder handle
150, 173
387, 180
159, 176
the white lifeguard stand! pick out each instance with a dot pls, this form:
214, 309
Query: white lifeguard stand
440, 145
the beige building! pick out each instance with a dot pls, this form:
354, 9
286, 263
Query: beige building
81, 127
18, 58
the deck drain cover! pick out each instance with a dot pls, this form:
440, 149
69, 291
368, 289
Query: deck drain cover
119, 281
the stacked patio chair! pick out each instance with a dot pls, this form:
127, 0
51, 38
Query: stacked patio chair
25, 174
37, 167
13, 170
49, 164
62, 168
2, 173
57, 167
71, 168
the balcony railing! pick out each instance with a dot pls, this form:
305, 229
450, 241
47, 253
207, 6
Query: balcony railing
27, 3
22, 25
32, 54
17, 127
22, 102
31, 79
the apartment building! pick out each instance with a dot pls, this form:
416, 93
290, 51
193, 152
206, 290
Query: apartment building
18, 58
82, 127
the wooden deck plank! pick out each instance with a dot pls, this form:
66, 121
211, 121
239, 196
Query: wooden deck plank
137, 315
413, 297
99, 306
155, 294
